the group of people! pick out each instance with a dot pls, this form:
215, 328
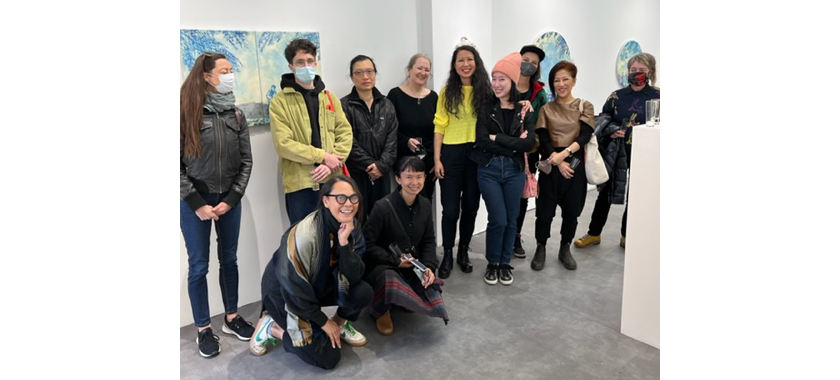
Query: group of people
352, 241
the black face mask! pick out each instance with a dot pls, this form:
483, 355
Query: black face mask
527, 69
637, 79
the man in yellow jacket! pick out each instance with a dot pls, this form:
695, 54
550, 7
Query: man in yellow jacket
310, 131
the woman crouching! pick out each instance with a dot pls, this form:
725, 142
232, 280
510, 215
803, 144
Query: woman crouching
400, 233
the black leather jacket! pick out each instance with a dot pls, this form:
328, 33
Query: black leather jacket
374, 132
225, 161
489, 122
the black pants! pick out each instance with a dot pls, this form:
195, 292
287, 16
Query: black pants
459, 193
371, 192
523, 204
320, 352
602, 208
569, 194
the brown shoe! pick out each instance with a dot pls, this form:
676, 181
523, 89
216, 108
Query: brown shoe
384, 324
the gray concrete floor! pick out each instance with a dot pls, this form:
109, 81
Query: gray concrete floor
552, 324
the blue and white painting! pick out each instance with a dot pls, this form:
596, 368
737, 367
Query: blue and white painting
240, 49
626, 52
257, 59
273, 64
556, 50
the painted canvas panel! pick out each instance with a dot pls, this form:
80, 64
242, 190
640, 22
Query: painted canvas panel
272, 61
257, 59
240, 49
627, 51
556, 50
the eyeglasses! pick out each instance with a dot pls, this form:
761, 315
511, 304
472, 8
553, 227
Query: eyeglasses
342, 199
368, 72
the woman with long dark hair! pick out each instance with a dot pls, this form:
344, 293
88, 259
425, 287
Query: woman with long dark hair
564, 126
504, 133
416, 106
374, 123
319, 263
467, 87
626, 108
215, 168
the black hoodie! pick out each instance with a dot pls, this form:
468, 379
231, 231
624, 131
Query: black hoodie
311, 99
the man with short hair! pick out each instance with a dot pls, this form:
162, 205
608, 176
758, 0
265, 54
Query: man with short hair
310, 130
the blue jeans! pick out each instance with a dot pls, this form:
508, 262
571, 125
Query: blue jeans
197, 237
300, 203
501, 187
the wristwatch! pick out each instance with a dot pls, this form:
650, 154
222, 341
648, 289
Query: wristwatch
570, 151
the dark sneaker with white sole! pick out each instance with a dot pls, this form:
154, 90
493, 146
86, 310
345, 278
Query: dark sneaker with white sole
505, 275
208, 343
491, 276
239, 327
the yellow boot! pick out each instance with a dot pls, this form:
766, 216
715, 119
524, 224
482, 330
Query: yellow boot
586, 240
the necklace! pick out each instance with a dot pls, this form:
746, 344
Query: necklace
409, 91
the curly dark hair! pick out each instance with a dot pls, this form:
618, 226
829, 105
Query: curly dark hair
480, 82
299, 44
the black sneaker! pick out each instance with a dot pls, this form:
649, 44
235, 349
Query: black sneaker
491, 277
208, 343
505, 275
239, 327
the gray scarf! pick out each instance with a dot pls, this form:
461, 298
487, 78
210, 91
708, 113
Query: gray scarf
216, 102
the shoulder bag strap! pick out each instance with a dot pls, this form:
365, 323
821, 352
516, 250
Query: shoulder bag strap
399, 222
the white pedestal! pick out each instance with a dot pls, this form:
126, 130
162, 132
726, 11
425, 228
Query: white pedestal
640, 303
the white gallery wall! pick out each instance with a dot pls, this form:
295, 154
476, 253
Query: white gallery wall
346, 29
390, 31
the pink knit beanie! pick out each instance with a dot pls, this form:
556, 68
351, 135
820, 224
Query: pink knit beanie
509, 65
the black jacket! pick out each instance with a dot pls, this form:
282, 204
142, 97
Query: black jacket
382, 229
489, 122
615, 157
225, 162
374, 132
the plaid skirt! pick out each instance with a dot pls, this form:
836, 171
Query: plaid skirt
392, 289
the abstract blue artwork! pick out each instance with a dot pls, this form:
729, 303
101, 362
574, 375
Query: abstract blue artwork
556, 50
257, 59
626, 52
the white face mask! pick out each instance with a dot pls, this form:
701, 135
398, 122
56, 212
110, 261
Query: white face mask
225, 83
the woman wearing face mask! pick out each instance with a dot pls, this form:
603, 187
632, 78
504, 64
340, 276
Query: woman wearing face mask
467, 87
529, 89
215, 168
626, 108
319, 263
504, 132
415, 105
374, 123
563, 130
404, 221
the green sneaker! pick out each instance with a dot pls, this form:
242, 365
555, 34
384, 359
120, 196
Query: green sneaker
262, 336
351, 336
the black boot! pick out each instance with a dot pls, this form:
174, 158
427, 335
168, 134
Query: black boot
566, 258
539, 258
518, 251
464, 258
446, 265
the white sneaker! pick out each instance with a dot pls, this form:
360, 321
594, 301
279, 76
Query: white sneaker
351, 336
262, 336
